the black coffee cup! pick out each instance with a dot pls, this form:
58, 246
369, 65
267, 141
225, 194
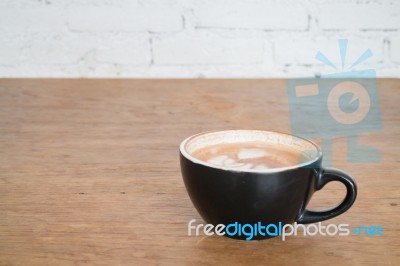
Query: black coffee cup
226, 194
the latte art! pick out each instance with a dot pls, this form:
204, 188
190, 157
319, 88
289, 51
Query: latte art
242, 160
255, 155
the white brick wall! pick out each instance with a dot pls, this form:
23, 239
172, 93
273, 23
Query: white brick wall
348, 16
207, 50
395, 49
262, 15
32, 19
194, 38
124, 19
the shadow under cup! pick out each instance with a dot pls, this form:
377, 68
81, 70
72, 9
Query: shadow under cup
226, 192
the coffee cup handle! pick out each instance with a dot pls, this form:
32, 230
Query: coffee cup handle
323, 177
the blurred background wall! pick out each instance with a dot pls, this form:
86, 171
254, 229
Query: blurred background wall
195, 38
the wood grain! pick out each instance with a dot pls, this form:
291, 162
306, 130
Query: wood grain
89, 174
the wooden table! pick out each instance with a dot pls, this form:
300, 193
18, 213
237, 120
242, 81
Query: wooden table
89, 174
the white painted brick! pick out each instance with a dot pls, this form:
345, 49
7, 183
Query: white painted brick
207, 50
120, 3
303, 51
30, 3
156, 19
60, 49
209, 38
100, 2
250, 15
395, 49
10, 51
32, 19
205, 71
388, 71
124, 51
369, 16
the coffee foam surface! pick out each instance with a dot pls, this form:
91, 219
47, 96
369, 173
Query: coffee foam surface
241, 159
250, 150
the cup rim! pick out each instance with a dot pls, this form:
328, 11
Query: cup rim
187, 155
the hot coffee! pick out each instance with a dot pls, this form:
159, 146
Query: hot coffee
250, 155
254, 151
